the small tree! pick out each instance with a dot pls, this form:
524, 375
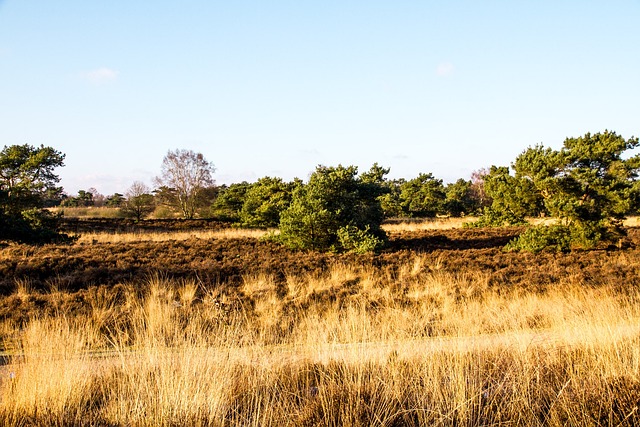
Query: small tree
423, 196
335, 210
97, 198
460, 199
140, 202
188, 174
512, 199
116, 200
587, 185
27, 182
84, 198
477, 188
230, 200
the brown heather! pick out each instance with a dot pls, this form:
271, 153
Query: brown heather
443, 328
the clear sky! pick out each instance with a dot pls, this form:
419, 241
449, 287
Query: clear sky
278, 87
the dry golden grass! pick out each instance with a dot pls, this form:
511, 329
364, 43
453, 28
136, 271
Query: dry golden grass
412, 225
89, 212
149, 236
420, 224
633, 221
355, 346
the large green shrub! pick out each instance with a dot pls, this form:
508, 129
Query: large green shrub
555, 238
588, 186
27, 183
334, 198
354, 239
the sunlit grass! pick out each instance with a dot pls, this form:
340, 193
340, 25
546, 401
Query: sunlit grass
88, 212
420, 224
354, 346
156, 236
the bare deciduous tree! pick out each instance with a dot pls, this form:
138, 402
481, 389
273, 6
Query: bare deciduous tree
140, 202
188, 173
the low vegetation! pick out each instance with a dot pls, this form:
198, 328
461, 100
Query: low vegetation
356, 345
443, 327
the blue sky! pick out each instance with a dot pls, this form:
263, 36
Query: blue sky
278, 87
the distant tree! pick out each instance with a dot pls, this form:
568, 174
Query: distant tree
477, 188
140, 202
97, 198
166, 196
230, 200
205, 198
265, 200
460, 199
27, 182
423, 196
68, 201
116, 200
335, 210
84, 198
188, 174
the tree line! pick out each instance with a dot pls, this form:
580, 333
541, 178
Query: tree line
259, 204
588, 186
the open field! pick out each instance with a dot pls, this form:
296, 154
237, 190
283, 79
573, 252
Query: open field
441, 328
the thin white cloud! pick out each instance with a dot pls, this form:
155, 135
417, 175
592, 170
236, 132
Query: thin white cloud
444, 69
101, 75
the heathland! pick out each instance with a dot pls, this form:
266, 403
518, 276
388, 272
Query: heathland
190, 323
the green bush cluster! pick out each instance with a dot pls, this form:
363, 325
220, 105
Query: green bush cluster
556, 238
335, 210
356, 240
27, 183
589, 185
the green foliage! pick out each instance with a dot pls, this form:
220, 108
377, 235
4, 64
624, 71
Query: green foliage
334, 198
512, 199
31, 226
423, 196
27, 182
354, 239
83, 199
461, 199
139, 207
390, 201
556, 238
587, 185
115, 201
264, 201
229, 202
